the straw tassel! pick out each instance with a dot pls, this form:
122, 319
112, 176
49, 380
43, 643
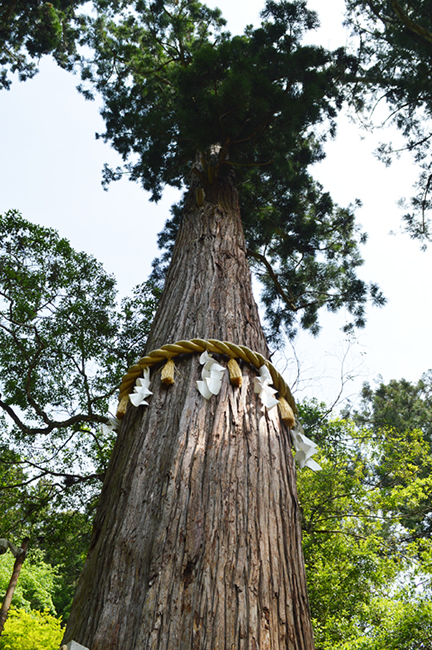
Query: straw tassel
121, 409
286, 412
235, 373
167, 374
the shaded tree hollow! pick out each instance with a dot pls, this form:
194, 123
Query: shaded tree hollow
197, 540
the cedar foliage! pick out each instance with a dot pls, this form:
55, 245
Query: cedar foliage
176, 88
31, 28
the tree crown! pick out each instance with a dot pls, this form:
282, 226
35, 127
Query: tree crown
176, 87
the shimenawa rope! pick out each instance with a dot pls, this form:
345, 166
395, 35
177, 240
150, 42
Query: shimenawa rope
172, 350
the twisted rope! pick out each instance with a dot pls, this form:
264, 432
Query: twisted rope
172, 350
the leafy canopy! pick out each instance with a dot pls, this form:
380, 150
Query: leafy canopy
394, 412
64, 346
176, 89
32, 630
173, 84
36, 582
369, 575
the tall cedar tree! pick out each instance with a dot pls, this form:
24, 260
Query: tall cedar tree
197, 542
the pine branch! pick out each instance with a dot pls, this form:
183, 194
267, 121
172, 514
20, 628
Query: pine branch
413, 27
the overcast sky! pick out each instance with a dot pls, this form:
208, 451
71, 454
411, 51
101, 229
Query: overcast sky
50, 169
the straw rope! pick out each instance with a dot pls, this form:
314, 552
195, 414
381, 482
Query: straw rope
172, 350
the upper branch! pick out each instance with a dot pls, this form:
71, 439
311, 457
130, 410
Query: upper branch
51, 424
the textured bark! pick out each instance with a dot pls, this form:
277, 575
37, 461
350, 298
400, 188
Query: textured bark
197, 543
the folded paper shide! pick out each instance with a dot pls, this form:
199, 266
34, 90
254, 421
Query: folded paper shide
264, 389
305, 449
211, 376
141, 389
113, 425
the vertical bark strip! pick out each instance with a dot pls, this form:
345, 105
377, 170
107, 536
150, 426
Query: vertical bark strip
197, 543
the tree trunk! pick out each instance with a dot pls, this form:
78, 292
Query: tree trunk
13, 583
197, 542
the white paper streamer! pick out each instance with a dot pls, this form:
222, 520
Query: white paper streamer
113, 425
305, 449
141, 389
74, 645
263, 388
211, 376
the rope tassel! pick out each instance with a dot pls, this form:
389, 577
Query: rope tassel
286, 413
235, 374
167, 373
121, 409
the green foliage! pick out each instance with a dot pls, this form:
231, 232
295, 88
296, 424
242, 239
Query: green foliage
31, 28
64, 537
64, 346
57, 316
395, 54
177, 88
397, 625
32, 630
399, 414
58, 324
254, 109
399, 405
36, 584
13, 490
369, 575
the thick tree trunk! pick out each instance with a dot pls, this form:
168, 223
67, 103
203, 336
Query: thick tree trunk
197, 543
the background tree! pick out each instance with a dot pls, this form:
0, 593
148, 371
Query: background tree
369, 574
392, 411
31, 28
32, 622
36, 582
399, 405
64, 345
395, 55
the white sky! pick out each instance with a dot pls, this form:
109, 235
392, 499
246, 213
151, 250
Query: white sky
50, 169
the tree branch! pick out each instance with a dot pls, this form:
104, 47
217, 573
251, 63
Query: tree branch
340, 532
413, 27
51, 424
274, 277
